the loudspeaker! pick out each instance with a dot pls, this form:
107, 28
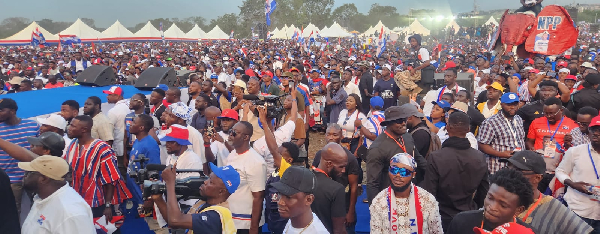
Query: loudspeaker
154, 76
97, 76
463, 79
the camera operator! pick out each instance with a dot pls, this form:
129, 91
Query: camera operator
210, 215
177, 142
253, 93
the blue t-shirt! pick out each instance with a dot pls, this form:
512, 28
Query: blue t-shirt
207, 222
146, 146
18, 135
438, 124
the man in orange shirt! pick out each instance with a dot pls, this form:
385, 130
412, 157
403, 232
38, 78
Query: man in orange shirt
52, 83
546, 136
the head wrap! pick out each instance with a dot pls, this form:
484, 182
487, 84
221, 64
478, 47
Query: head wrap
180, 110
404, 158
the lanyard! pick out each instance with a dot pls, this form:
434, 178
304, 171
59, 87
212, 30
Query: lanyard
268, 87
444, 89
401, 145
556, 130
319, 170
512, 131
532, 207
593, 164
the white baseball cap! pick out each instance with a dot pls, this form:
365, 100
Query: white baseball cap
54, 120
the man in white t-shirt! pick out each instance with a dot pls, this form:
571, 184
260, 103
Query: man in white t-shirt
297, 185
116, 116
57, 208
179, 113
79, 64
246, 204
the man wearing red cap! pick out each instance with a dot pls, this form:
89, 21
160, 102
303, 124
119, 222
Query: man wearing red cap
116, 116
267, 85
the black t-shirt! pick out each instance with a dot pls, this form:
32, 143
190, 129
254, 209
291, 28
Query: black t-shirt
329, 200
9, 218
207, 221
351, 169
464, 222
388, 90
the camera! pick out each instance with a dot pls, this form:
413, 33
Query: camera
142, 174
188, 188
272, 102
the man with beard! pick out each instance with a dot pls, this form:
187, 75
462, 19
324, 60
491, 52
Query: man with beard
366, 84
137, 103
296, 188
492, 105
502, 134
580, 135
159, 104
335, 99
546, 136
450, 86
57, 208
350, 178
69, 110
102, 128
579, 171
193, 92
418, 129
173, 95
509, 195
404, 207
457, 174
207, 89
394, 140
79, 64
329, 204
533, 110
199, 118
86, 155
228, 118
210, 215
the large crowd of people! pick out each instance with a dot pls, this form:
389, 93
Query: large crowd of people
515, 151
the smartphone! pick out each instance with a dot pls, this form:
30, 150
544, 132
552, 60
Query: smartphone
292, 83
210, 128
551, 74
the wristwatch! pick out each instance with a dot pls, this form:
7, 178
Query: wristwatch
108, 205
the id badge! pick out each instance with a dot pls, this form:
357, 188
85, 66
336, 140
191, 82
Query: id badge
549, 147
595, 190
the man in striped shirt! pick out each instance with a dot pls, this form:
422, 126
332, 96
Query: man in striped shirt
94, 167
15, 130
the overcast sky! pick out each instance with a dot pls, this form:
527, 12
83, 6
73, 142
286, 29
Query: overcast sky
131, 12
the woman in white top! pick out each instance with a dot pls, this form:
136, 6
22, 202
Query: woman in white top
346, 120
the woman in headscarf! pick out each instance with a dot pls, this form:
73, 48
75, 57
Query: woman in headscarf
404, 207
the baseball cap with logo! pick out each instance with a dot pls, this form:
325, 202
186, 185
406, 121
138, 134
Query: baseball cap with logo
449, 64
177, 133
507, 228
114, 90
527, 160
229, 113
50, 140
562, 64
229, 176
496, 86
389, 67
595, 122
509, 98
296, 179
441, 103
54, 120
50, 166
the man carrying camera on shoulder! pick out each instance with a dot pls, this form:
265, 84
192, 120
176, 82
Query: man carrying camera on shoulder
209, 215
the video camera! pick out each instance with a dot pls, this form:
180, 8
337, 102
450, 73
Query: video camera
149, 177
273, 103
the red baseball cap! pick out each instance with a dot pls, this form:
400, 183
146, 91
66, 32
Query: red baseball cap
562, 63
192, 68
507, 228
449, 64
571, 77
114, 90
294, 69
229, 113
536, 71
268, 73
595, 122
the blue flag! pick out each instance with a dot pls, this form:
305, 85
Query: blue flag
270, 6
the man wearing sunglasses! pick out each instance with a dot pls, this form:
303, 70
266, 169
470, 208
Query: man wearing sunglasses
580, 135
392, 141
546, 135
403, 206
546, 214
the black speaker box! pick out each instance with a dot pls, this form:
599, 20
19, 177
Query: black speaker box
97, 76
463, 79
154, 76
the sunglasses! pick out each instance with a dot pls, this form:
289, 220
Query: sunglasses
401, 171
233, 133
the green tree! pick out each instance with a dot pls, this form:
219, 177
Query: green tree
226, 22
12, 25
387, 14
347, 16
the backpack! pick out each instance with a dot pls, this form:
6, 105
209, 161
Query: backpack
434, 143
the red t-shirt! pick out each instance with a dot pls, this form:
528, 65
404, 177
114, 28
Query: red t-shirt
57, 85
539, 128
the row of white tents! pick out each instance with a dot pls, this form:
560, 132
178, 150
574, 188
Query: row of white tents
116, 32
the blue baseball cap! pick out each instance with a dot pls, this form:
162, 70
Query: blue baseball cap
443, 104
164, 87
229, 176
377, 101
509, 98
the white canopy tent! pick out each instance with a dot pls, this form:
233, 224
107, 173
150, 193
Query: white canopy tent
276, 30
377, 28
174, 32
311, 28
196, 33
148, 31
491, 20
83, 31
453, 24
417, 28
117, 30
335, 30
25, 34
217, 34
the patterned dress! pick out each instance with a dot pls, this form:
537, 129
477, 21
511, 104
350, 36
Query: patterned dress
94, 166
432, 221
